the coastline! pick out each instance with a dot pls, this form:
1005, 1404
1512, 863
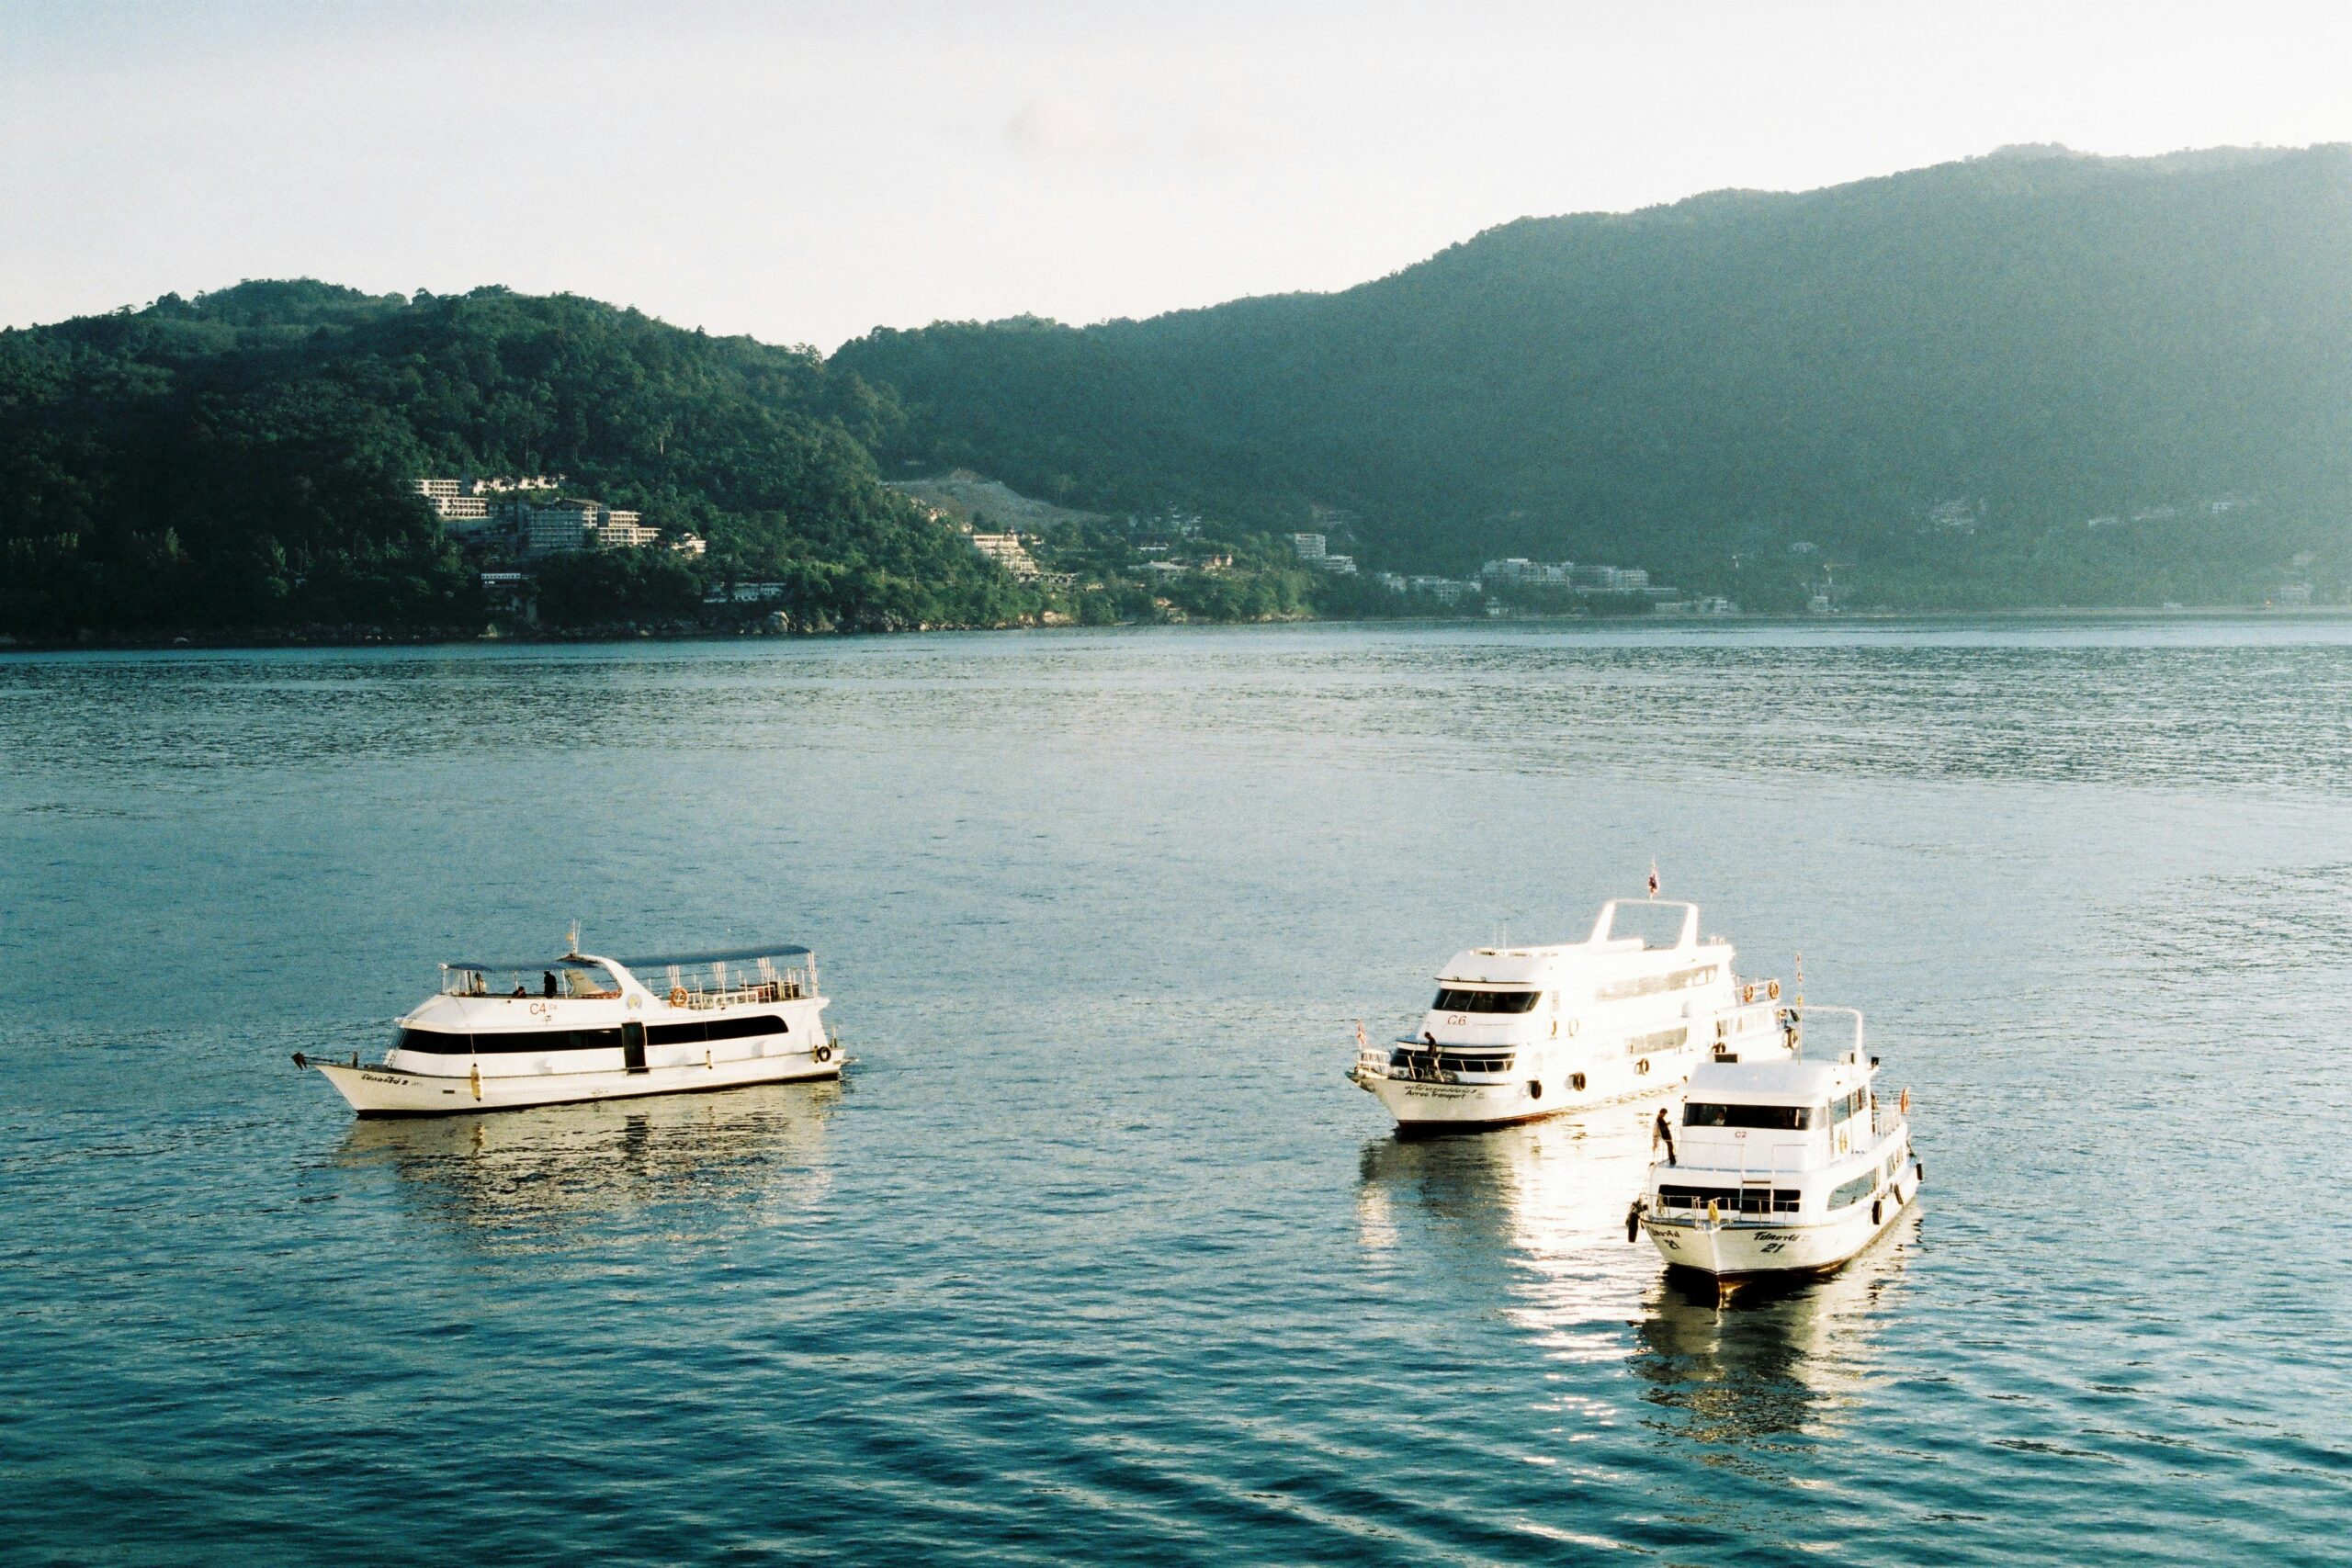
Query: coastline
249, 641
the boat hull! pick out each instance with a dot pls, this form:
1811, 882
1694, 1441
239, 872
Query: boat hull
1735, 1250
1422, 1106
376, 1091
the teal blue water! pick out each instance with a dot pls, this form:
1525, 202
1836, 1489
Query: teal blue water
1095, 1258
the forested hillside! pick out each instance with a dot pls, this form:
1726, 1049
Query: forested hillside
2030, 378
247, 460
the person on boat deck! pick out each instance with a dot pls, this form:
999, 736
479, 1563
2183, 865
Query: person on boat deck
521, 989
547, 982
1662, 1130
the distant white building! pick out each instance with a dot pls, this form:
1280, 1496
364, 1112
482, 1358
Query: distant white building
575, 524
1309, 546
1009, 552
464, 505
1444, 590
622, 531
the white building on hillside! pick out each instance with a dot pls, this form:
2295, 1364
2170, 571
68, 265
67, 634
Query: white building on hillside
1009, 552
577, 525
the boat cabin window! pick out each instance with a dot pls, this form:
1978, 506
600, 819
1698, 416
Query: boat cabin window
1854, 1191
442, 1042
1778, 1118
1744, 1200
1656, 985
1453, 999
1850, 1107
1406, 1059
1662, 1040
587, 981
700, 1031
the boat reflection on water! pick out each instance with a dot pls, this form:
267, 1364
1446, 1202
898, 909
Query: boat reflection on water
739, 1152
1548, 1199
1775, 1361
1544, 1206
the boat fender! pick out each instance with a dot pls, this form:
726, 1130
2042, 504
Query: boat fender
1919, 1169
475, 1077
677, 996
1535, 1089
824, 1053
1642, 1066
1904, 1104
1875, 1205
1772, 989
1714, 1215
1633, 1219
1576, 1081
1555, 1028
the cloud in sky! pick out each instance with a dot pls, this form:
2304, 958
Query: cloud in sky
805, 172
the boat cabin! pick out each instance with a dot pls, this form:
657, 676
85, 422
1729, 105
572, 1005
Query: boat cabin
1769, 1126
743, 976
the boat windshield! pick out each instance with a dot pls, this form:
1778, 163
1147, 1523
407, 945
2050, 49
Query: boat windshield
1454, 999
1783, 1118
571, 979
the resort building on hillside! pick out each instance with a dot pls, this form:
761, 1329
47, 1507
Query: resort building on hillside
1313, 551
1589, 578
464, 505
1009, 552
576, 525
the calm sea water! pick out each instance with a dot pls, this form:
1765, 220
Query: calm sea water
1095, 1256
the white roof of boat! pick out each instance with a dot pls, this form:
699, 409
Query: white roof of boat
1763, 1083
719, 955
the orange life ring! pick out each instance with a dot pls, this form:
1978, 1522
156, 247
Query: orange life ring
1749, 994
677, 996
1774, 990
1904, 1105
1642, 1066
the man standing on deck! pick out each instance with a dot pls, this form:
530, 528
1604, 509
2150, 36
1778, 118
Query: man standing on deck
1662, 1130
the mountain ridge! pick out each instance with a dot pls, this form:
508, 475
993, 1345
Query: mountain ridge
2062, 336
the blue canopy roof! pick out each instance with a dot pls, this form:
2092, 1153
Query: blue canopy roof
723, 956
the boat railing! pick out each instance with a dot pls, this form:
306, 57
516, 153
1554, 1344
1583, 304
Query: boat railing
740, 996
1749, 1017
1750, 1202
702, 987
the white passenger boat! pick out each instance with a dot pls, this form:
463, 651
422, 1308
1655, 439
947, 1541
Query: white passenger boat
1518, 1032
1780, 1167
501, 1036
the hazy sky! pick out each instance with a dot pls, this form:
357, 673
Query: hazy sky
805, 171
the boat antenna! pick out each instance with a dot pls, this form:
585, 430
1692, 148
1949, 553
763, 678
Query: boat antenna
571, 950
1800, 979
